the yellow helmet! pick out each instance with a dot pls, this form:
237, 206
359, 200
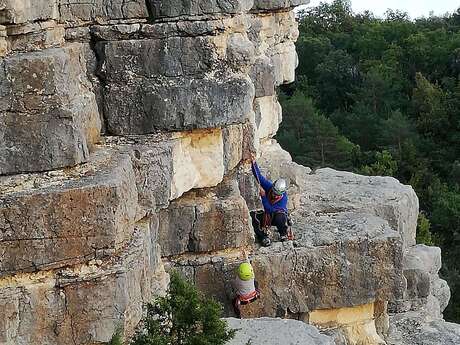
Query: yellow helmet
245, 271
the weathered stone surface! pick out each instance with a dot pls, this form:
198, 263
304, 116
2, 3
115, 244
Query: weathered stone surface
274, 36
411, 329
76, 12
328, 191
206, 220
3, 43
356, 324
338, 260
28, 313
179, 8
285, 61
240, 52
78, 34
268, 116
197, 162
205, 96
168, 165
423, 257
54, 219
84, 304
248, 187
182, 105
164, 30
381, 318
262, 74
265, 331
441, 292
35, 36
232, 137
170, 57
425, 292
48, 115
278, 4
22, 11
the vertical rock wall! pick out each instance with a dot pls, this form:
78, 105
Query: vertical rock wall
122, 124
125, 132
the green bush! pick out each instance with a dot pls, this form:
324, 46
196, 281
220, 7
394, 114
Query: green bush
384, 165
183, 317
423, 230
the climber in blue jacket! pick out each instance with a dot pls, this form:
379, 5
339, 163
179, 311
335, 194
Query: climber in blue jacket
274, 199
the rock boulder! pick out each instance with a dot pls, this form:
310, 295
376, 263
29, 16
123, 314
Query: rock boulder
265, 331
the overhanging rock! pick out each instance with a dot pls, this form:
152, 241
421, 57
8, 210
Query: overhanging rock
55, 219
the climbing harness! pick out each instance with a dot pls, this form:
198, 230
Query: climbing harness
249, 298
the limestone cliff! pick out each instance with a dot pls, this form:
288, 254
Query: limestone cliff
125, 132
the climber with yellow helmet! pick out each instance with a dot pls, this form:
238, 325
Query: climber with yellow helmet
245, 286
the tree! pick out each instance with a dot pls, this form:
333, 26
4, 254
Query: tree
423, 230
396, 130
311, 137
334, 17
384, 165
427, 106
336, 77
446, 214
183, 317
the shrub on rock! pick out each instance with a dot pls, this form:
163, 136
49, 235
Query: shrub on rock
184, 316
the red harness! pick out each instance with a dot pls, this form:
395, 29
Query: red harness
274, 198
250, 297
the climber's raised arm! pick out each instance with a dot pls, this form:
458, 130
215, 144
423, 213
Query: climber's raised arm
265, 183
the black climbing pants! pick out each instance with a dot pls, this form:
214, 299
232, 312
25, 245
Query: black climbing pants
278, 219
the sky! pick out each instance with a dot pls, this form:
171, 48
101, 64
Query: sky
415, 8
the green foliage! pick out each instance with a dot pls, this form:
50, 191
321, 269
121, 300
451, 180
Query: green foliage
382, 97
183, 317
384, 165
427, 104
446, 214
312, 137
423, 231
117, 337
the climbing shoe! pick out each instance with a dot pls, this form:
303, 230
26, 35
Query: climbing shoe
266, 242
283, 238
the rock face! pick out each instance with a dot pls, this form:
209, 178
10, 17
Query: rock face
41, 227
266, 331
126, 129
48, 117
411, 329
346, 261
417, 318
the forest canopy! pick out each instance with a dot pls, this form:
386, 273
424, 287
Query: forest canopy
381, 96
